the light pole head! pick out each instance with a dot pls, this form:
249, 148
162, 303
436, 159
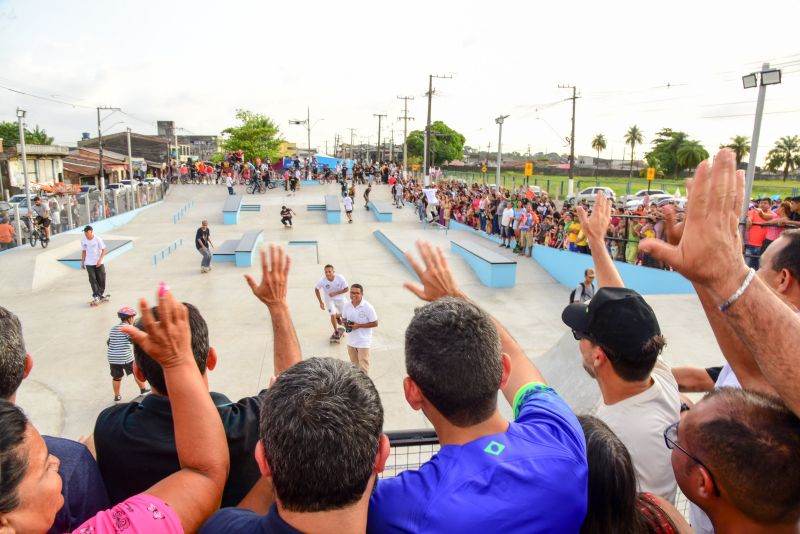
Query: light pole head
20, 113
770, 77
749, 81
501, 119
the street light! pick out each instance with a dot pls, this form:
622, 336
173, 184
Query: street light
24, 155
768, 77
499, 120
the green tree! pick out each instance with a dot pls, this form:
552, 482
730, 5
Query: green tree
690, 154
786, 154
740, 145
446, 143
9, 132
633, 137
257, 136
599, 144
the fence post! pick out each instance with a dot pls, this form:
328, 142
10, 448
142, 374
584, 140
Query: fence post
628, 188
561, 190
88, 210
116, 204
794, 191
68, 203
548, 186
514, 182
596, 182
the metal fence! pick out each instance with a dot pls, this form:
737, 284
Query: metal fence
410, 449
68, 212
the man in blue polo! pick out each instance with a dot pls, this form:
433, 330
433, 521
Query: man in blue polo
490, 475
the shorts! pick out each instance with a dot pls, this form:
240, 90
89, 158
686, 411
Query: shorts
505, 231
118, 370
526, 238
44, 222
348, 211
334, 307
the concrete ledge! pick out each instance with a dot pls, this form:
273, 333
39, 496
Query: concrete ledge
230, 210
493, 270
114, 248
226, 251
382, 211
395, 250
568, 267
333, 210
246, 249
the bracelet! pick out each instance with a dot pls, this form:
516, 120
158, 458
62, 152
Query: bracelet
732, 300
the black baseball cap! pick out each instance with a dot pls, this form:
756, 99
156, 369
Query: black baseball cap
87, 228
617, 318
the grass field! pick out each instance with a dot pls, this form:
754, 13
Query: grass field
558, 185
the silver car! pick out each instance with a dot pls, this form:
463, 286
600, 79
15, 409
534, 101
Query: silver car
589, 195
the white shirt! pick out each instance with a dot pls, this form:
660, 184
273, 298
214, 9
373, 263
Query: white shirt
398, 189
348, 203
639, 422
326, 287
360, 338
508, 214
93, 249
228, 181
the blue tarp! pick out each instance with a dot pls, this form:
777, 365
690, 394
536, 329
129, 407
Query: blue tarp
321, 162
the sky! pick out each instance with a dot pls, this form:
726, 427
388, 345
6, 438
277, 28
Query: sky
674, 64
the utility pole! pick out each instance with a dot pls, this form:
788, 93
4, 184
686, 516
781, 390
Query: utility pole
574, 97
352, 140
100, 150
378, 145
308, 130
24, 155
391, 147
130, 158
405, 118
499, 120
428, 125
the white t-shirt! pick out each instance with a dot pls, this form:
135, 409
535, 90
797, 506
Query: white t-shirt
360, 338
398, 189
326, 286
508, 214
228, 180
93, 249
348, 203
639, 422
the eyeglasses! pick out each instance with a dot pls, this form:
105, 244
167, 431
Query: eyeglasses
671, 440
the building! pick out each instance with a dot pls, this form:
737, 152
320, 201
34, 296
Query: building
45, 166
152, 148
198, 147
287, 149
81, 166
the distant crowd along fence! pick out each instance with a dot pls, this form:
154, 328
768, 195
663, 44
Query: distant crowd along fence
558, 186
73, 211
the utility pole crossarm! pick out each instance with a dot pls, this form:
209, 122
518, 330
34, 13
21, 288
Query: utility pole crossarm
574, 97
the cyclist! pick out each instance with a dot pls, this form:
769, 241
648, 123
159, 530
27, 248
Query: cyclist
256, 182
42, 212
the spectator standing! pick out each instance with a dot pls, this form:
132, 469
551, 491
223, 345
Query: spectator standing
348, 206
202, 240
506, 233
229, 183
120, 353
7, 234
360, 319
585, 290
55, 215
756, 218
93, 250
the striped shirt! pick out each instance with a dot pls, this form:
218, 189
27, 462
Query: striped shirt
120, 350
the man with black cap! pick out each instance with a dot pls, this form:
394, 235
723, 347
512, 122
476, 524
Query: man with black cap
620, 341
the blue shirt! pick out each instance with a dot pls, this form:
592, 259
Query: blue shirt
531, 478
240, 521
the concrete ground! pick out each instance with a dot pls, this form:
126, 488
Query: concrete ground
70, 382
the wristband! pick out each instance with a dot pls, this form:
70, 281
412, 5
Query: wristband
738, 293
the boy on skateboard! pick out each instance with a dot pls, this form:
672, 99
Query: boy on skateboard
331, 291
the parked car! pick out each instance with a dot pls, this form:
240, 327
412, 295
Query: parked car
119, 186
589, 195
680, 203
20, 201
151, 180
88, 189
642, 193
133, 184
654, 199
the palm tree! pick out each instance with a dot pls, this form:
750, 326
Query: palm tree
633, 137
599, 144
786, 153
740, 145
689, 155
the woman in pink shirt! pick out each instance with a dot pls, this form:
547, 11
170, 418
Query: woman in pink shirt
30, 486
779, 225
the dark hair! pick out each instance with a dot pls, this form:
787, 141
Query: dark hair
789, 256
12, 353
453, 354
752, 444
321, 425
614, 503
633, 367
13, 458
200, 345
357, 286
327, 266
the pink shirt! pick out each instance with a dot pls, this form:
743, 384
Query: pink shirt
141, 514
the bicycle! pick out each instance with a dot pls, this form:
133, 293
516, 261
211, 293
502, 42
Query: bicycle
37, 234
252, 188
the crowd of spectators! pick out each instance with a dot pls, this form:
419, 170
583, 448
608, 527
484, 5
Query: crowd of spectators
304, 454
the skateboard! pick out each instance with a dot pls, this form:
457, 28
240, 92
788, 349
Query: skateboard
93, 303
335, 339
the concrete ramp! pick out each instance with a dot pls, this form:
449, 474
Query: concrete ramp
563, 369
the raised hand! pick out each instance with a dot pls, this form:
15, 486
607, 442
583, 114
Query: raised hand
167, 340
709, 251
272, 289
595, 226
437, 279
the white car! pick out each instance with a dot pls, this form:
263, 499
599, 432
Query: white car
151, 181
590, 194
642, 194
654, 199
119, 186
19, 201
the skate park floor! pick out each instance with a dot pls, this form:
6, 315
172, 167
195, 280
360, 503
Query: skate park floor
70, 383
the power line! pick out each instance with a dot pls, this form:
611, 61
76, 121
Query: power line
48, 99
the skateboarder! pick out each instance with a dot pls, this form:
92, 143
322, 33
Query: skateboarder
348, 208
366, 196
120, 353
331, 291
286, 216
93, 250
202, 241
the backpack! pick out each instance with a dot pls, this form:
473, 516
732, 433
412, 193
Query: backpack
572, 294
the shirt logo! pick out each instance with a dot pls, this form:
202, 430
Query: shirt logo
494, 448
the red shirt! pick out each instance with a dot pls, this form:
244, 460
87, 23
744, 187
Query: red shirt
757, 234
